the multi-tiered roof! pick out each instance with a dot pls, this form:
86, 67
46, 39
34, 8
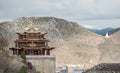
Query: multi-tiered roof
31, 42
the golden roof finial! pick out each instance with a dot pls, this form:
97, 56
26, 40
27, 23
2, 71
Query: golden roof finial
31, 28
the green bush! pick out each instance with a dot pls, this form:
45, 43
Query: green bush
23, 56
22, 70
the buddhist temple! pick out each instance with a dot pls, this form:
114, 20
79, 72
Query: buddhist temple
31, 42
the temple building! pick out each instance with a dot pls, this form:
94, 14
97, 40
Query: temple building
35, 46
31, 42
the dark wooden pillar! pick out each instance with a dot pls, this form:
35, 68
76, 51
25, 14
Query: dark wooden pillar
43, 51
39, 52
47, 52
26, 52
20, 52
34, 51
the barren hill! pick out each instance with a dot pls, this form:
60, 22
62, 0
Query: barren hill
74, 45
9, 64
111, 49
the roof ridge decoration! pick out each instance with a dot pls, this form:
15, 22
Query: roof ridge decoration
31, 28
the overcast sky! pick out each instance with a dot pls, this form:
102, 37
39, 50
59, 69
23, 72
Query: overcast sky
89, 13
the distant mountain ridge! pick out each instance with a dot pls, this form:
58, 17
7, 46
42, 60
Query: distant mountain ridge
102, 31
113, 31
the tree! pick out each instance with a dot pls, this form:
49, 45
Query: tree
23, 56
3, 42
22, 70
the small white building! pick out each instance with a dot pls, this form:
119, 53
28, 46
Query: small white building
107, 35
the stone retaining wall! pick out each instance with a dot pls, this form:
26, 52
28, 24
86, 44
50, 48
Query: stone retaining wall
43, 64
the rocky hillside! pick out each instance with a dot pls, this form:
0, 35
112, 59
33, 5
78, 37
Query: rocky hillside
9, 64
104, 68
111, 49
74, 45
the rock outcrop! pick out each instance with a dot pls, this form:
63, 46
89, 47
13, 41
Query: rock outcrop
9, 64
104, 68
110, 49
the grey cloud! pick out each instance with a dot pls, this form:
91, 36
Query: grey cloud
71, 9
75, 8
